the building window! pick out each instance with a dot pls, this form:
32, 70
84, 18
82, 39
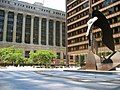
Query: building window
10, 24
71, 57
27, 54
57, 33
118, 18
2, 15
76, 58
116, 40
51, 32
63, 34
83, 6
43, 31
19, 28
58, 55
27, 29
64, 56
36, 30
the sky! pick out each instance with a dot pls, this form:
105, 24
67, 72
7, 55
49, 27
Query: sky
55, 4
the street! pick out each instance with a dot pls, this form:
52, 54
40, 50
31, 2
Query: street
57, 80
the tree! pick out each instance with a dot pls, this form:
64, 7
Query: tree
42, 57
82, 60
11, 55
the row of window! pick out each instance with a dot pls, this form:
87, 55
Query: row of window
68, 1
113, 20
31, 7
97, 7
19, 28
78, 58
77, 32
85, 46
77, 48
74, 4
106, 3
77, 24
83, 30
81, 7
116, 30
76, 40
78, 16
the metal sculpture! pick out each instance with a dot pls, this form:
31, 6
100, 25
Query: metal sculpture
94, 61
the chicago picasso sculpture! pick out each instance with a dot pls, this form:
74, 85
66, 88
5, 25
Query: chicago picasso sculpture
94, 61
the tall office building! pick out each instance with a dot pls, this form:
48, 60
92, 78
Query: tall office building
77, 17
32, 27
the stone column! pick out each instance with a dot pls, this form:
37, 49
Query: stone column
61, 34
61, 55
5, 25
14, 28
23, 28
54, 33
31, 36
47, 32
40, 30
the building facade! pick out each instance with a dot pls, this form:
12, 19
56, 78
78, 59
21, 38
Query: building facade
77, 17
32, 27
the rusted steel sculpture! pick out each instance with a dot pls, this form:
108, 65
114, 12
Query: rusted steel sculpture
93, 61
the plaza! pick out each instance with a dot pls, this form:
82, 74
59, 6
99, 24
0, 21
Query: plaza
60, 80
34, 27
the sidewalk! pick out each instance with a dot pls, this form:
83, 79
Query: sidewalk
29, 68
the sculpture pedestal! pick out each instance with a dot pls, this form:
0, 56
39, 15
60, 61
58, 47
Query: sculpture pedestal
115, 58
91, 61
94, 62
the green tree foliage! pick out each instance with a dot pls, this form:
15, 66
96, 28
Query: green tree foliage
11, 55
82, 60
42, 57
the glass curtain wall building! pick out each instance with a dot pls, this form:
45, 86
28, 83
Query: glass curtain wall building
77, 17
32, 27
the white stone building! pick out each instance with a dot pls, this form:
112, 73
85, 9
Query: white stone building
32, 27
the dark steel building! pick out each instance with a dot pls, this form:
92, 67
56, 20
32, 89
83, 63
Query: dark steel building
77, 17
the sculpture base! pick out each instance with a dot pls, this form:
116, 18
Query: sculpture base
94, 62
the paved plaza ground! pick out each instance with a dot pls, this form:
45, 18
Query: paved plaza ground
56, 79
